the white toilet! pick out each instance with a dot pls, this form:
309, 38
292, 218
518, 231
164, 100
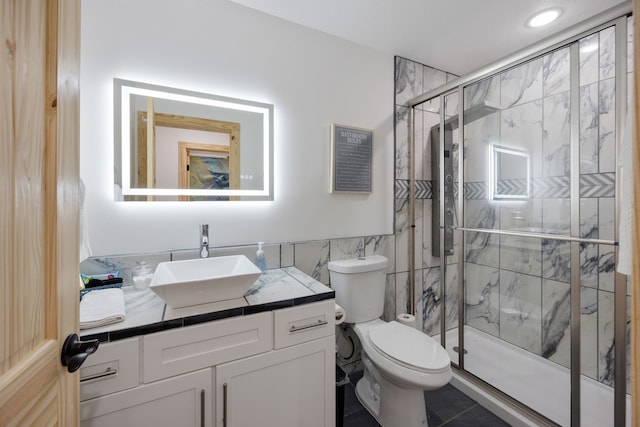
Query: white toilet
400, 362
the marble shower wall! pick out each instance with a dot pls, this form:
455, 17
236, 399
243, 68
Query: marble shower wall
519, 289
413, 79
522, 291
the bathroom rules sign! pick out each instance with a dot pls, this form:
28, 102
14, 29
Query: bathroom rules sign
350, 159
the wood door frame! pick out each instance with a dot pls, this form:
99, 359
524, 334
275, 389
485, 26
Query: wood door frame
183, 122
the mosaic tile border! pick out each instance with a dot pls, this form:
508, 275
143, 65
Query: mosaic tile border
551, 187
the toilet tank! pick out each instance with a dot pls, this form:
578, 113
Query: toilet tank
360, 284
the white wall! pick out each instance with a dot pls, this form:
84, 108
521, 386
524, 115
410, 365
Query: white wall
219, 47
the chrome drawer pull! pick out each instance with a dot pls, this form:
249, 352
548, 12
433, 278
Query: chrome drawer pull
108, 373
295, 328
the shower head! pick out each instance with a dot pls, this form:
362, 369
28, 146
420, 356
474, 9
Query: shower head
472, 114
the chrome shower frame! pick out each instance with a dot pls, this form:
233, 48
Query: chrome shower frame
616, 16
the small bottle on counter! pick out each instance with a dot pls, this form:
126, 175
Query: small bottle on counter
142, 276
261, 262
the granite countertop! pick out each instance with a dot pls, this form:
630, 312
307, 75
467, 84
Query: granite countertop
147, 313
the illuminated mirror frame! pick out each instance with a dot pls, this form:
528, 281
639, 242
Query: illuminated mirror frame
494, 163
123, 89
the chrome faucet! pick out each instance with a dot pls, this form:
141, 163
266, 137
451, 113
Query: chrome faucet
204, 241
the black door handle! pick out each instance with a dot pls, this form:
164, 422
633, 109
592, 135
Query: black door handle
75, 351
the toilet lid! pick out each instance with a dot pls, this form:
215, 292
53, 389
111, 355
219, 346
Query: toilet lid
409, 347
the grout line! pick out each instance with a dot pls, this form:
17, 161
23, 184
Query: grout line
458, 415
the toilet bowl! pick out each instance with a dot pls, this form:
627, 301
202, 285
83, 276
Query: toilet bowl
407, 356
400, 362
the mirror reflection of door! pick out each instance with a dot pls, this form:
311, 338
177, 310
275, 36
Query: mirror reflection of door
207, 167
162, 148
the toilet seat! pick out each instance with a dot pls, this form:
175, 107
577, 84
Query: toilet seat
409, 347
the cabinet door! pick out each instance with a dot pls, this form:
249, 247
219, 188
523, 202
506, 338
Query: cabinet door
180, 401
291, 387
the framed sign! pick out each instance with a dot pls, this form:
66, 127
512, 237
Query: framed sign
351, 151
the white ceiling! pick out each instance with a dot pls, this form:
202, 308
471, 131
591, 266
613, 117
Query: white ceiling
457, 36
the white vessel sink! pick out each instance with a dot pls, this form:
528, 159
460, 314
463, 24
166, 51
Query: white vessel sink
204, 280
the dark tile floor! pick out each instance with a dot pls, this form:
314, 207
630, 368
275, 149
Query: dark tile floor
445, 407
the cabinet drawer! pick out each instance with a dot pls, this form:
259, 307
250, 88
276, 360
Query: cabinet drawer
181, 350
113, 367
303, 323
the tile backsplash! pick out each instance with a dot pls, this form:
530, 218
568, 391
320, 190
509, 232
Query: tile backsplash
310, 257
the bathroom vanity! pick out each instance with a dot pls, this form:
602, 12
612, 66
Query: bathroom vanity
266, 359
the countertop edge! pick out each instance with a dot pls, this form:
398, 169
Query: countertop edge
179, 322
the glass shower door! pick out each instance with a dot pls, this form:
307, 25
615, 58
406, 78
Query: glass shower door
518, 263
440, 291
517, 203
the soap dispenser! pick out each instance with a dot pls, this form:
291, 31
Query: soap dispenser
261, 262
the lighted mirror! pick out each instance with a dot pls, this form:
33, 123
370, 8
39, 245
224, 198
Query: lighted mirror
174, 144
510, 174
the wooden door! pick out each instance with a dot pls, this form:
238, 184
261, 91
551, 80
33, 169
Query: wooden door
39, 196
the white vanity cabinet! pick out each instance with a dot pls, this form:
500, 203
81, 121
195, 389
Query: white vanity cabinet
274, 368
292, 386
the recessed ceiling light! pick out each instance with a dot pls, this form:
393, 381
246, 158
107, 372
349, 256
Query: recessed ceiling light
543, 18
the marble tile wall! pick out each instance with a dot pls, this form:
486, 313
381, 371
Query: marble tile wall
310, 257
534, 274
413, 79
520, 287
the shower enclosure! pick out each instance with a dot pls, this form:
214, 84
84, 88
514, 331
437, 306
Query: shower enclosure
522, 224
